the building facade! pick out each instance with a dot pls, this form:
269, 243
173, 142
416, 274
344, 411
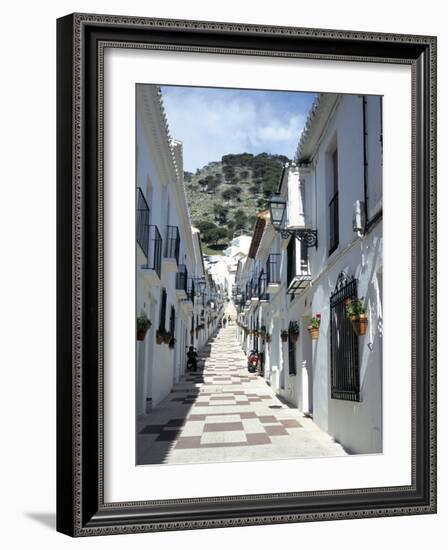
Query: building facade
334, 188
173, 289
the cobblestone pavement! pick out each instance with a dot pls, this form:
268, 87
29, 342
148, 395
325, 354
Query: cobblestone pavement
221, 413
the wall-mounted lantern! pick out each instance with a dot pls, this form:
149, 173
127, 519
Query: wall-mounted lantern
277, 208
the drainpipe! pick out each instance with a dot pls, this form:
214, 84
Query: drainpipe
364, 137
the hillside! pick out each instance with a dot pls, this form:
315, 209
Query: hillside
224, 196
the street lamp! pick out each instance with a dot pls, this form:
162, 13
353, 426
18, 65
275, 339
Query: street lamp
277, 208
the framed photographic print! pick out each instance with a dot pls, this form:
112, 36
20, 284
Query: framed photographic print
246, 274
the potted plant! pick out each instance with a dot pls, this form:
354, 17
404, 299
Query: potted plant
356, 311
268, 337
313, 327
294, 330
284, 335
167, 337
143, 325
172, 343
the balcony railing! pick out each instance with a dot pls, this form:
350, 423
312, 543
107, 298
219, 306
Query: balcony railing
190, 290
248, 290
172, 243
155, 250
273, 269
142, 229
262, 287
182, 279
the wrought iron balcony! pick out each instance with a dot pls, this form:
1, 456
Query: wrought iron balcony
182, 279
273, 275
190, 290
142, 222
172, 243
154, 257
262, 287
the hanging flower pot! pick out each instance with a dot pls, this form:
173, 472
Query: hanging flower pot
284, 335
268, 338
356, 311
313, 332
359, 324
313, 327
166, 336
159, 337
294, 330
143, 325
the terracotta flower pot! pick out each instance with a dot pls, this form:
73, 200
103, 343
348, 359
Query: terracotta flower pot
313, 332
294, 337
141, 334
159, 338
284, 337
359, 324
166, 338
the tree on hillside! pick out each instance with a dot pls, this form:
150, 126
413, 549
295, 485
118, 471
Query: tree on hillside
204, 226
240, 219
220, 211
216, 234
232, 193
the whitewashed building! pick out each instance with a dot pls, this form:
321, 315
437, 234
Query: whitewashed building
172, 287
334, 189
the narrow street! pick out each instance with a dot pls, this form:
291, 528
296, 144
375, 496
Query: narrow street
223, 413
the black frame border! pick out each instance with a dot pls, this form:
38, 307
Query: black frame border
81, 39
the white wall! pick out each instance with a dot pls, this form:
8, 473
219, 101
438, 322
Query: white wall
28, 466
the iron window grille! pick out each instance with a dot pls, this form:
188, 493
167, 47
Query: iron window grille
334, 223
273, 269
142, 229
162, 319
172, 321
172, 244
344, 343
333, 207
292, 356
182, 278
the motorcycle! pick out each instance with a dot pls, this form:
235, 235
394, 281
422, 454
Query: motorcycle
252, 361
192, 359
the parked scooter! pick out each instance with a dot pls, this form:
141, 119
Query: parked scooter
192, 359
252, 361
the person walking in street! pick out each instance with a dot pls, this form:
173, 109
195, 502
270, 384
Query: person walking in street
224, 322
229, 319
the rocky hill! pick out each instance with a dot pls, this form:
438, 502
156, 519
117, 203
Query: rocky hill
224, 196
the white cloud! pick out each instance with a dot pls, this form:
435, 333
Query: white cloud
214, 123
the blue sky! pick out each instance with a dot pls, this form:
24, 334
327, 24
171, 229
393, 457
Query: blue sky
212, 122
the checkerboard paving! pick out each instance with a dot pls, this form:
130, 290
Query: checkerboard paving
222, 412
